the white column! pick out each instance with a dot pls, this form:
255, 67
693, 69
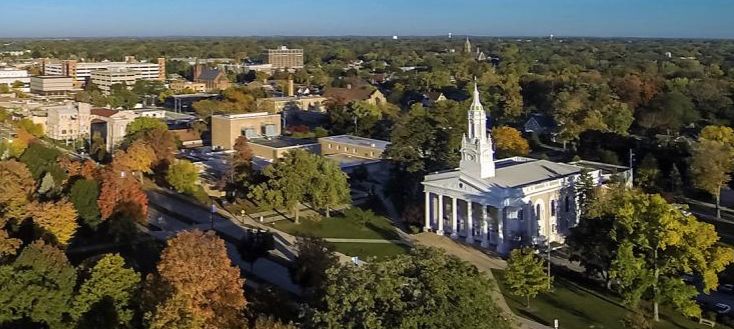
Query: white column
428, 212
485, 227
500, 230
454, 219
469, 223
440, 215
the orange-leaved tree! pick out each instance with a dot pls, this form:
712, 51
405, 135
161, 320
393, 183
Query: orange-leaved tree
196, 283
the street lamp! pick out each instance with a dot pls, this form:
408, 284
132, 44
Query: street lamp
211, 215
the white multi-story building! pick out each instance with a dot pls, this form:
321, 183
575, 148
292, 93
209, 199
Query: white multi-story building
82, 71
68, 122
9, 76
105, 79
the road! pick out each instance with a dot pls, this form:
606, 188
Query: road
171, 215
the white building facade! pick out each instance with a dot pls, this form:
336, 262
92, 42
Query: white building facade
9, 76
68, 122
501, 204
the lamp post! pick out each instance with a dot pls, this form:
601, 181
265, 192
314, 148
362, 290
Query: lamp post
211, 215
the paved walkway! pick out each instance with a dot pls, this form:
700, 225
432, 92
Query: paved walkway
366, 241
483, 261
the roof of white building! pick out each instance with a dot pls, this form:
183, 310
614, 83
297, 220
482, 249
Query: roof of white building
516, 172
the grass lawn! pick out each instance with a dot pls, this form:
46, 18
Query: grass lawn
342, 226
578, 306
367, 250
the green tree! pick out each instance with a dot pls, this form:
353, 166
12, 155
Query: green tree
110, 282
591, 244
525, 274
585, 190
315, 257
648, 173
41, 159
84, 194
37, 286
286, 182
657, 242
35, 129
143, 124
425, 289
329, 186
183, 176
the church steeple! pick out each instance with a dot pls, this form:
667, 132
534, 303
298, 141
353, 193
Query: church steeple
467, 45
477, 156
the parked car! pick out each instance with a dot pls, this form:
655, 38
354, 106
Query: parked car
721, 308
727, 288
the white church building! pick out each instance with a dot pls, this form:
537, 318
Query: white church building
501, 204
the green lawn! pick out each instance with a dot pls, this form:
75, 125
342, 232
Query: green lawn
366, 250
341, 226
578, 306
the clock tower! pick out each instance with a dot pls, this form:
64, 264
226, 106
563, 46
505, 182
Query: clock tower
477, 156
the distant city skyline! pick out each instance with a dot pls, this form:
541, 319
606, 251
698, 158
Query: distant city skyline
592, 18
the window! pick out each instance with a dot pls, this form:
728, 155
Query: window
553, 228
329, 145
553, 207
537, 212
568, 204
520, 215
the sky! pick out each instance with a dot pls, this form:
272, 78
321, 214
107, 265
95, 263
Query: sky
148, 18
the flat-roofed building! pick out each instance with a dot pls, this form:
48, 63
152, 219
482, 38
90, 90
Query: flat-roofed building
105, 79
52, 85
183, 85
68, 122
10, 76
284, 58
303, 103
273, 148
227, 127
82, 71
367, 148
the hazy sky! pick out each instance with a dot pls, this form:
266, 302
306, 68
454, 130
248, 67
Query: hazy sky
643, 18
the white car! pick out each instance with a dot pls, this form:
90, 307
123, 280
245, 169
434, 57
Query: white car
722, 308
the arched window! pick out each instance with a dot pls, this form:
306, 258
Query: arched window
537, 212
568, 203
553, 207
520, 214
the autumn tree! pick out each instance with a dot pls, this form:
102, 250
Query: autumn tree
183, 175
525, 274
264, 322
120, 193
240, 168
164, 146
58, 218
112, 285
84, 194
509, 142
212, 295
137, 158
37, 286
713, 161
16, 187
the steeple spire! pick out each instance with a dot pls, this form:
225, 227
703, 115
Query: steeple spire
476, 103
477, 156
